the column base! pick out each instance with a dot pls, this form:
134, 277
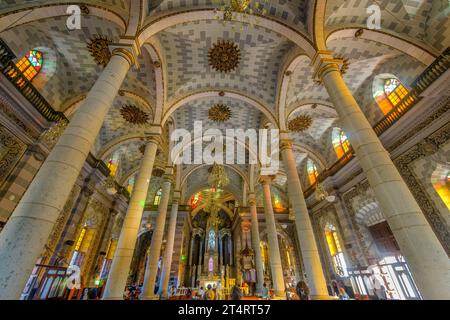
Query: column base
322, 297
154, 297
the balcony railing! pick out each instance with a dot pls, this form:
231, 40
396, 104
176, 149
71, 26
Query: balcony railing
431, 74
15, 76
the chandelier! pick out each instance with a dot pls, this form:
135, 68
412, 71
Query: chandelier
212, 206
217, 177
244, 7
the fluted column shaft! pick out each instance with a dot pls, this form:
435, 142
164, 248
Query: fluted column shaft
256, 244
24, 236
123, 256
272, 237
308, 246
151, 268
418, 243
167, 260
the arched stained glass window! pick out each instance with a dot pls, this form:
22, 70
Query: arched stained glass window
130, 185
113, 164
157, 199
395, 91
335, 249
340, 143
31, 64
313, 173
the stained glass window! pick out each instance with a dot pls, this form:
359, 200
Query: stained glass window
31, 64
340, 143
335, 249
395, 91
157, 199
196, 200
312, 171
212, 239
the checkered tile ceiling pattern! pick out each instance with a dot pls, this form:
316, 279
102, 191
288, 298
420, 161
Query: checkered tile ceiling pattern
424, 21
291, 12
121, 7
70, 71
186, 54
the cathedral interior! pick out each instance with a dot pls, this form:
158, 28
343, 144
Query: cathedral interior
95, 198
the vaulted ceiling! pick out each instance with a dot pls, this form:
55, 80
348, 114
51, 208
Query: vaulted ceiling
182, 87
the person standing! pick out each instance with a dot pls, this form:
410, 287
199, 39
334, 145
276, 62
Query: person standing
236, 293
265, 292
302, 290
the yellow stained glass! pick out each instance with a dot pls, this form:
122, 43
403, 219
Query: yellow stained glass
80, 239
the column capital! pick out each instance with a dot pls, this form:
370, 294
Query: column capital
266, 179
324, 62
286, 144
129, 48
176, 196
167, 178
251, 199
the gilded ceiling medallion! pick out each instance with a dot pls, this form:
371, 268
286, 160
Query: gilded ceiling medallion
224, 56
134, 115
99, 49
300, 123
219, 113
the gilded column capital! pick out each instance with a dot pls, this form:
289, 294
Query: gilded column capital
266, 179
128, 48
323, 63
251, 199
286, 144
167, 177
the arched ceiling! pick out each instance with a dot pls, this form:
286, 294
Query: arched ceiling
179, 33
293, 13
425, 22
186, 49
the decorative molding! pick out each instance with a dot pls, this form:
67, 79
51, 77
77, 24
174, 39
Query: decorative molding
134, 115
219, 113
11, 152
99, 49
425, 148
300, 123
224, 56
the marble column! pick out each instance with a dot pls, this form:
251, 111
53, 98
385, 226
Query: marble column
272, 237
256, 244
31, 223
123, 256
308, 246
167, 260
419, 245
151, 268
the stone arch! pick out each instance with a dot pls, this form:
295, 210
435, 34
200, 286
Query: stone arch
215, 93
27, 15
154, 27
414, 50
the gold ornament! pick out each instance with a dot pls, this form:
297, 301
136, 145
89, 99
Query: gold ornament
134, 115
51, 136
219, 113
300, 123
99, 49
224, 56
